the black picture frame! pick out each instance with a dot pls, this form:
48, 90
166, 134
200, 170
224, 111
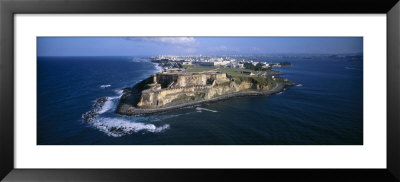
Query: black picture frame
9, 8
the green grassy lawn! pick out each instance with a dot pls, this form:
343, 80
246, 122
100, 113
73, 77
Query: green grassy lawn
234, 71
239, 77
199, 68
187, 66
237, 71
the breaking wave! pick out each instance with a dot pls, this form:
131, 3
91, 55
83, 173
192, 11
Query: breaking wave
118, 127
199, 109
109, 103
105, 86
101, 118
97, 107
106, 106
120, 92
158, 68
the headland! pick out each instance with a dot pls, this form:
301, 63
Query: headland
181, 87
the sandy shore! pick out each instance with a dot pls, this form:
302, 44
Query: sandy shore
126, 109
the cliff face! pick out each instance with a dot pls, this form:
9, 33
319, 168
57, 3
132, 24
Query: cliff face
169, 89
173, 88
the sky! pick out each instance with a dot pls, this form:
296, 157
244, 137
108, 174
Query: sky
154, 46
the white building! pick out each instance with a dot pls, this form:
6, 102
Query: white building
221, 63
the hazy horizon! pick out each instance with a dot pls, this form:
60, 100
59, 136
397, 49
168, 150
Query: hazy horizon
192, 46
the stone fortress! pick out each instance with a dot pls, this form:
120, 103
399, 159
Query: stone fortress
166, 90
180, 87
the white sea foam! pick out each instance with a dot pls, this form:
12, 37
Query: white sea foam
200, 109
107, 106
117, 127
158, 68
105, 86
299, 85
119, 91
110, 103
116, 97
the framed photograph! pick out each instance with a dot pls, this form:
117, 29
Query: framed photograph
171, 91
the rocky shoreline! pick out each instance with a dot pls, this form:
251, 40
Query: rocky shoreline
126, 109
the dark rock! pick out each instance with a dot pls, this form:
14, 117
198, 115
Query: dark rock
94, 111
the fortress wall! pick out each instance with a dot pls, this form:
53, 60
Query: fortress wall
161, 97
190, 80
182, 80
221, 76
186, 85
192, 89
176, 90
147, 99
220, 90
189, 86
200, 79
164, 96
165, 79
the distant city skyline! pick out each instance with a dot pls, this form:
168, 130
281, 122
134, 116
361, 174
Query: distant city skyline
153, 46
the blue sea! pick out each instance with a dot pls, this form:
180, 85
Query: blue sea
325, 108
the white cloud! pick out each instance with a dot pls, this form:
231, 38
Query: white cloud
168, 40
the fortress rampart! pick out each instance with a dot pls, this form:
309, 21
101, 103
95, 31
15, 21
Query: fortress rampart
172, 90
169, 87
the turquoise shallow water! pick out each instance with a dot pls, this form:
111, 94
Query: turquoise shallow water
327, 108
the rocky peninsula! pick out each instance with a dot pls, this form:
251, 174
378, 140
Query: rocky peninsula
175, 89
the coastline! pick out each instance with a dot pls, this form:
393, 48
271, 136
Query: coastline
126, 109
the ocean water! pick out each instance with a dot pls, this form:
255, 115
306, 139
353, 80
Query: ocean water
326, 108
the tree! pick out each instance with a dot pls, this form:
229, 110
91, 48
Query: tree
248, 66
258, 67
